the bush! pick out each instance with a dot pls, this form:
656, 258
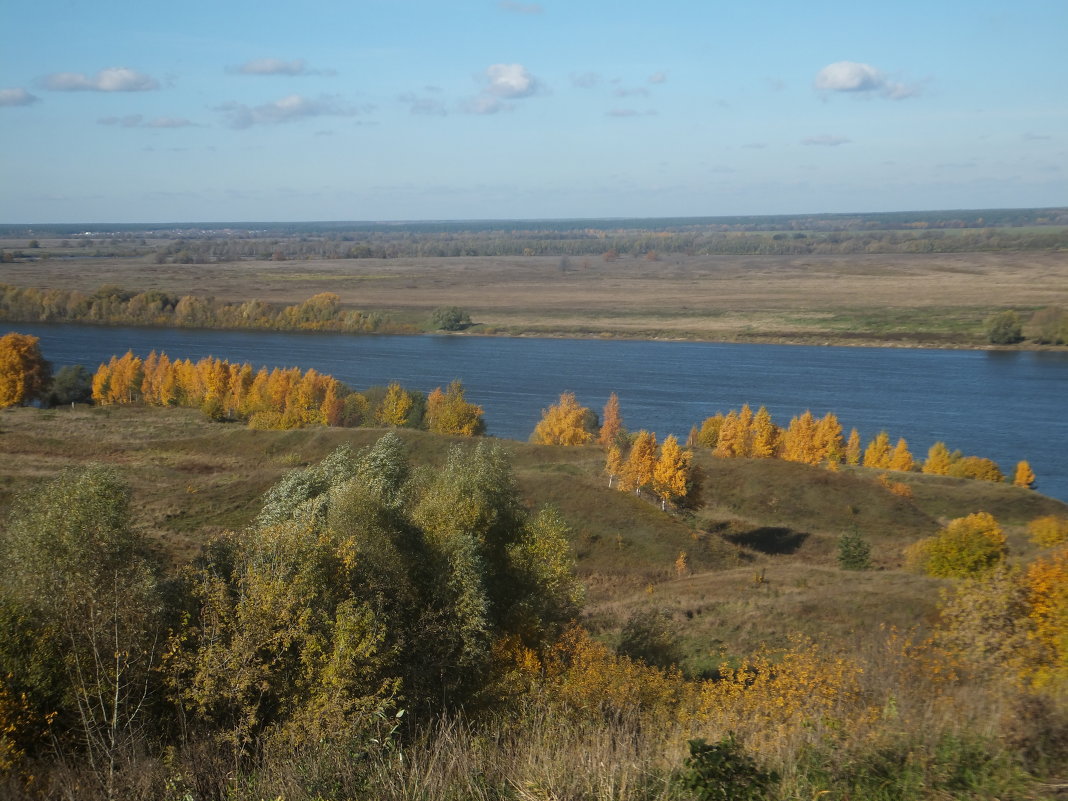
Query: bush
1004, 328
967, 546
649, 636
724, 772
854, 552
1048, 531
450, 318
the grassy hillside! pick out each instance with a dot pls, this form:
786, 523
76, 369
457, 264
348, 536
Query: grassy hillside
760, 542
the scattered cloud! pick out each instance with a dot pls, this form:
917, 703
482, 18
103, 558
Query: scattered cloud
287, 109
1030, 137
510, 81
429, 106
138, 121
520, 8
502, 82
825, 140
112, 79
864, 79
17, 97
585, 80
628, 112
277, 66
658, 77
755, 145
641, 91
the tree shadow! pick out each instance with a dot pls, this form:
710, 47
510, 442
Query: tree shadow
770, 540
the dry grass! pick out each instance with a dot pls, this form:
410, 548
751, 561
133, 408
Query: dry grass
935, 299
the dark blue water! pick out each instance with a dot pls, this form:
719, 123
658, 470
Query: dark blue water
1006, 406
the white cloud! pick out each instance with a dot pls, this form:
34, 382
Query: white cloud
277, 66
641, 91
520, 8
138, 121
287, 109
658, 77
510, 80
112, 79
853, 76
501, 83
17, 97
825, 140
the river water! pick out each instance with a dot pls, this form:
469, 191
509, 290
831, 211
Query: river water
1003, 405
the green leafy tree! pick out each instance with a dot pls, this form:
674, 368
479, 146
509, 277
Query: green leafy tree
72, 384
450, 318
1004, 328
89, 593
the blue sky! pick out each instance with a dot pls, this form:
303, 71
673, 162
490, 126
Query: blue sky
115, 111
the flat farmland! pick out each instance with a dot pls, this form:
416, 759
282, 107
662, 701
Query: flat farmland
896, 299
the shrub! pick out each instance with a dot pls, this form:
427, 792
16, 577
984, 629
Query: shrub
724, 772
854, 552
450, 318
1004, 328
967, 546
1048, 531
649, 636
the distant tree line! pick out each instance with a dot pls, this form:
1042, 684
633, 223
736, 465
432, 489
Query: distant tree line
112, 305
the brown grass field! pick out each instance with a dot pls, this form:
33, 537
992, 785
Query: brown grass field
760, 544
907, 300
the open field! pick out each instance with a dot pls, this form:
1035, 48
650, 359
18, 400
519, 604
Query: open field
896, 299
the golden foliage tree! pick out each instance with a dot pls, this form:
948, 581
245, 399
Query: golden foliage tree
829, 445
799, 442
877, 454
708, 436
1024, 476
852, 449
671, 473
563, 423
901, 459
449, 413
611, 423
24, 373
641, 461
613, 463
938, 460
395, 407
731, 439
764, 439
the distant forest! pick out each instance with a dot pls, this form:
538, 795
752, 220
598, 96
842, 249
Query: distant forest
890, 232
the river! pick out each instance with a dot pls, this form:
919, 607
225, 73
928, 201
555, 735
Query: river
1004, 405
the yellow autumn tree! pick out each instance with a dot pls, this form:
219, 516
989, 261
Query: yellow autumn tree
1046, 581
671, 473
708, 436
799, 442
764, 435
449, 413
938, 460
638, 469
731, 439
563, 423
24, 373
828, 436
877, 454
901, 459
1025, 476
613, 463
611, 423
852, 449
395, 407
